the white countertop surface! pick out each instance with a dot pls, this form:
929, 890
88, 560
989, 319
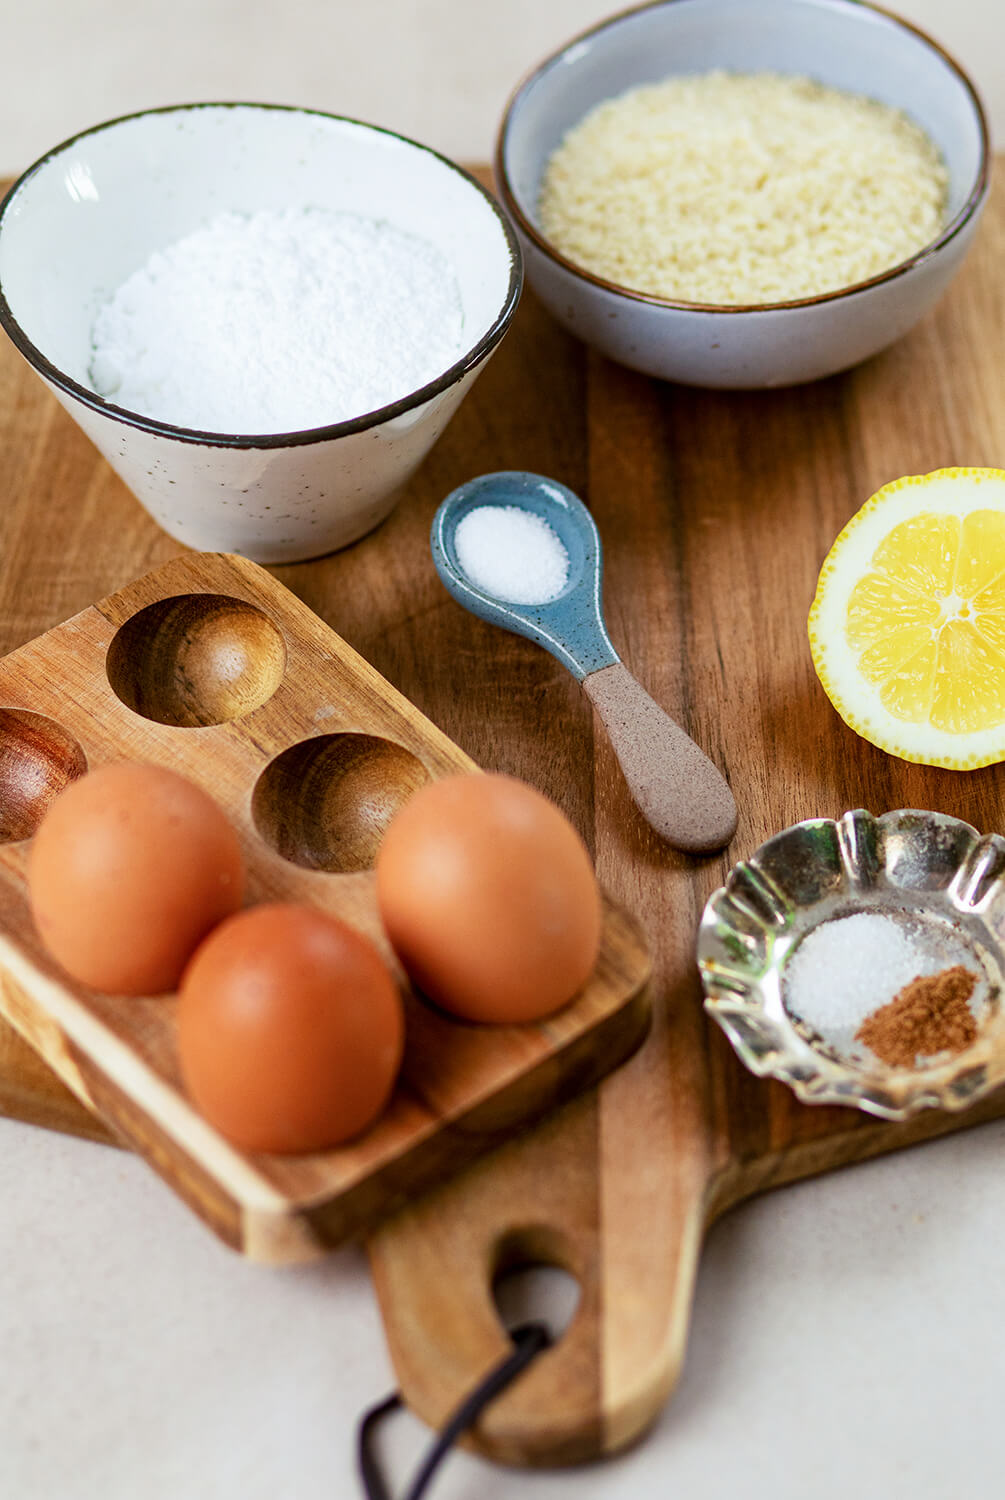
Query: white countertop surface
845, 1336
845, 1343
440, 70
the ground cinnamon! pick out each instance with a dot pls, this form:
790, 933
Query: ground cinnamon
929, 1015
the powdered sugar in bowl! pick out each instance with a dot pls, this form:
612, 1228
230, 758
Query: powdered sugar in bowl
277, 441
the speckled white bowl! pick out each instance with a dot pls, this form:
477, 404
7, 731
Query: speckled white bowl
91, 212
845, 43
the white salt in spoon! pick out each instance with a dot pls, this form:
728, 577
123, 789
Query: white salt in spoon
676, 787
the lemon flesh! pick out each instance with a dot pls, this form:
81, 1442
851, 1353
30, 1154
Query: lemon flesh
907, 629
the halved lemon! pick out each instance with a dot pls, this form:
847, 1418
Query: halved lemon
907, 629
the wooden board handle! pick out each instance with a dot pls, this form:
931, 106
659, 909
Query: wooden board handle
533, 1201
676, 787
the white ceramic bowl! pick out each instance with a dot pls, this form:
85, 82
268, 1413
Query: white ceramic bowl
90, 213
843, 43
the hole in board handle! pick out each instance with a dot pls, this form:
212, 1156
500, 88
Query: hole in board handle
532, 1282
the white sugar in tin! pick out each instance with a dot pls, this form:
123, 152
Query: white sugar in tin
845, 969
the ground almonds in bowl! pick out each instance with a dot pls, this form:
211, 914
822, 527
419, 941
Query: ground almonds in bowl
748, 210
742, 188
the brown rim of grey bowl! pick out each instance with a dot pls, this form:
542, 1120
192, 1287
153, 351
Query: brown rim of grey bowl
949, 232
468, 361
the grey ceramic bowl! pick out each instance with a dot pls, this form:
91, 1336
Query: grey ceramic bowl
843, 43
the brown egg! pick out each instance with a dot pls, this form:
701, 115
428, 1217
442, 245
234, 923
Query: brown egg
290, 1029
130, 868
488, 895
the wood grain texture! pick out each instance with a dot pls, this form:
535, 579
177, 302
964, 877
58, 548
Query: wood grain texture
715, 511
224, 676
31, 1091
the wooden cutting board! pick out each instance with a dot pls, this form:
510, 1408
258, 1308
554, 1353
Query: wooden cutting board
715, 511
209, 666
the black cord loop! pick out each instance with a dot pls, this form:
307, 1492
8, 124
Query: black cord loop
529, 1341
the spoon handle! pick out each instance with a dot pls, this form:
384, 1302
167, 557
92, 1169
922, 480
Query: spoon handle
676, 787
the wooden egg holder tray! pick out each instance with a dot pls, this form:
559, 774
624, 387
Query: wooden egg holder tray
210, 666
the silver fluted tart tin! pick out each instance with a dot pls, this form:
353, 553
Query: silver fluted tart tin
924, 868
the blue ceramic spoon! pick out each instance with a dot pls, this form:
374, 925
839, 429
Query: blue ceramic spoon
675, 785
